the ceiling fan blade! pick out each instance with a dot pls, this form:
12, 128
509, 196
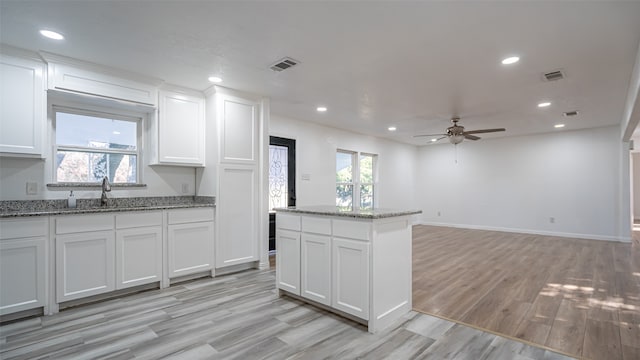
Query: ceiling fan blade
484, 131
430, 135
471, 137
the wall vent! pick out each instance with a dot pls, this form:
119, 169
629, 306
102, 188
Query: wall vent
570, 113
284, 64
553, 75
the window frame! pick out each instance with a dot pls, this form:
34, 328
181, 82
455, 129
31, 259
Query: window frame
138, 119
356, 181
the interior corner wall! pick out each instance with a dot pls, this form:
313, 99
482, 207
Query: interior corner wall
564, 184
316, 147
636, 184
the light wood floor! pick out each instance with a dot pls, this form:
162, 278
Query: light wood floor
581, 297
240, 317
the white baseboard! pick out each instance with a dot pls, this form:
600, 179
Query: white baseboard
535, 232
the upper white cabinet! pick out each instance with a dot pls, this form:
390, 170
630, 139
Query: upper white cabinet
22, 106
238, 126
181, 129
22, 264
82, 79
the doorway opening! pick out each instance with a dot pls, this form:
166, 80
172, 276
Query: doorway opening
282, 180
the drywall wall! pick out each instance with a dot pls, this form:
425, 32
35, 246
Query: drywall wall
636, 184
316, 147
565, 183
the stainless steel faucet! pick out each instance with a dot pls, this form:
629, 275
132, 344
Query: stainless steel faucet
106, 187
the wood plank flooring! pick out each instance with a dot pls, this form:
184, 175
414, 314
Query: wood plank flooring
580, 297
240, 317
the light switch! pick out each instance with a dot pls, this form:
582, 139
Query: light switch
32, 188
306, 177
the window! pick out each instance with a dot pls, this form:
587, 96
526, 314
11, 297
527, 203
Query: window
91, 145
355, 179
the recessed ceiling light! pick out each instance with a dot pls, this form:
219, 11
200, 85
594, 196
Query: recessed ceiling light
392, 128
558, 126
434, 140
510, 60
215, 79
544, 104
51, 35
116, 132
321, 108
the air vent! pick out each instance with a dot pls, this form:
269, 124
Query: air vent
553, 75
284, 64
570, 113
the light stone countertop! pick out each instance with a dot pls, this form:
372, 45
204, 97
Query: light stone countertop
348, 212
22, 208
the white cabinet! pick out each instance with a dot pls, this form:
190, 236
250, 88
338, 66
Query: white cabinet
22, 264
237, 206
181, 129
85, 256
316, 267
190, 241
138, 249
288, 260
22, 106
351, 277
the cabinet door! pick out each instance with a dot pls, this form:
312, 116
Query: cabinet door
288, 261
238, 127
316, 268
84, 264
22, 104
22, 274
350, 275
237, 216
190, 248
138, 256
181, 129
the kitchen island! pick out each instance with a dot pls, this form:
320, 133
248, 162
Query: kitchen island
356, 263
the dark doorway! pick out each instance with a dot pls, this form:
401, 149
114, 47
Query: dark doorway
282, 180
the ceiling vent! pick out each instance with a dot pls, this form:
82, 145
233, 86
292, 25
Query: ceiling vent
553, 75
284, 64
570, 113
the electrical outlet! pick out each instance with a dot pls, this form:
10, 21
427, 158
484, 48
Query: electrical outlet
438, 213
306, 177
32, 188
552, 220
185, 188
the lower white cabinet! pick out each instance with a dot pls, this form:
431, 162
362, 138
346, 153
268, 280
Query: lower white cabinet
288, 260
351, 277
138, 256
316, 267
84, 264
190, 241
22, 264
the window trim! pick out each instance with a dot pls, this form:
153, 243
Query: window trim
355, 177
88, 110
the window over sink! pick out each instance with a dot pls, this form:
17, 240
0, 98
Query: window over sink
89, 145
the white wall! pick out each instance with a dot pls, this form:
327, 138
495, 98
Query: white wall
519, 183
316, 147
636, 183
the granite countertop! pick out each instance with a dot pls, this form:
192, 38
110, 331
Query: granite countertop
18, 208
348, 212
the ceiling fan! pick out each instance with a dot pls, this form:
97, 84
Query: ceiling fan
456, 133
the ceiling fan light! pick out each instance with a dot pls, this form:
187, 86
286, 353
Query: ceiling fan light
456, 139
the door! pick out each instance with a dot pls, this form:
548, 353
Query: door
138, 256
288, 261
350, 270
190, 248
282, 180
316, 267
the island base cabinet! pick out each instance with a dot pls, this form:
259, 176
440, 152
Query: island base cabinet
288, 261
139, 256
22, 274
316, 268
351, 277
84, 264
190, 248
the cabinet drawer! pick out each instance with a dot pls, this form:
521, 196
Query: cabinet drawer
288, 222
190, 215
82, 223
316, 225
352, 229
138, 219
24, 227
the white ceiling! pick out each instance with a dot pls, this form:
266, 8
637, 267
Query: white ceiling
373, 64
